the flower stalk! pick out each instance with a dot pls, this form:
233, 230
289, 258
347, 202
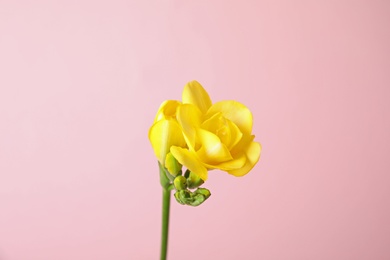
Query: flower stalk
165, 223
166, 187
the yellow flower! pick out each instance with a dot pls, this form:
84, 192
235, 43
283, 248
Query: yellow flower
166, 131
204, 136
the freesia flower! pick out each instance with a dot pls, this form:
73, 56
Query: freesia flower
203, 136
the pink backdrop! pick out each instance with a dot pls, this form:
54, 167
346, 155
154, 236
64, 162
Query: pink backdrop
80, 82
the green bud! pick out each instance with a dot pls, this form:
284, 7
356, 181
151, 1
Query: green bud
172, 165
193, 180
180, 183
178, 198
205, 192
199, 196
183, 196
196, 200
186, 197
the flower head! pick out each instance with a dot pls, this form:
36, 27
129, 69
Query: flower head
202, 136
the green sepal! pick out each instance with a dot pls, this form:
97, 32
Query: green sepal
187, 173
164, 180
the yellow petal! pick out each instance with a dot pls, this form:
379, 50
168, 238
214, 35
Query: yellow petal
240, 148
195, 94
190, 161
234, 111
213, 123
189, 117
164, 134
225, 129
217, 125
229, 165
212, 150
235, 134
252, 157
167, 110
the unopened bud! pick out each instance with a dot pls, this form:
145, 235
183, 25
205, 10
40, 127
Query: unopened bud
199, 196
180, 183
172, 165
182, 196
193, 180
195, 198
205, 192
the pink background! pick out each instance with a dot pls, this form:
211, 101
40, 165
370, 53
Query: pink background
80, 83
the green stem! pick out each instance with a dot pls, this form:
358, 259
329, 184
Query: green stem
165, 223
